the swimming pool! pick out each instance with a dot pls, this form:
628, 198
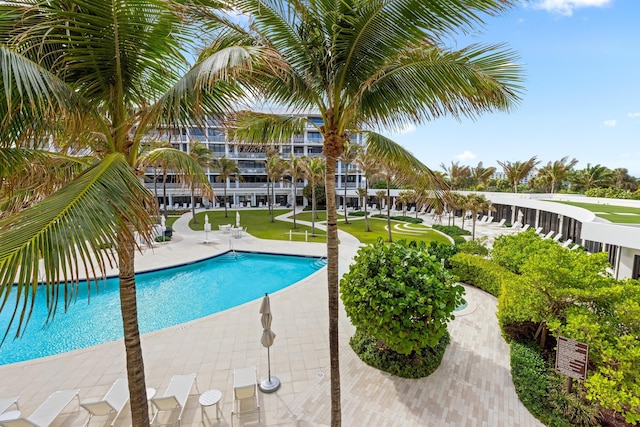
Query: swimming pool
165, 298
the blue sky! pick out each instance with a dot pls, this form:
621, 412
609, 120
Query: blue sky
582, 91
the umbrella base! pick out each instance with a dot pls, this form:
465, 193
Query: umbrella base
267, 386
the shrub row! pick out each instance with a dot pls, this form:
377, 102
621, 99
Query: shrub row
451, 230
480, 272
409, 219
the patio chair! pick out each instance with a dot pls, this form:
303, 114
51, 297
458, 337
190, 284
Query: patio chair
7, 402
549, 234
526, 227
245, 392
501, 223
46, 412
557, 237
567, 243
175, 398
111, 404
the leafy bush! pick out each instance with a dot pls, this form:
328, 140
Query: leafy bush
512, 250
409, 219
458, 240
611, 193
443, 251
451, 230
474, 247
417, 364
529, 376
480, 272
400, 294
163, 239
358, 213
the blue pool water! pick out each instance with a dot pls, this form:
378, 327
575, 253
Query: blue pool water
165, 298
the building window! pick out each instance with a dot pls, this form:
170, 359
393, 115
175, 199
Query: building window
635, 274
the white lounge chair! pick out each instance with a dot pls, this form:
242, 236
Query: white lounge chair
538, 230
501, 223
112, 403
7, 402
557, 237
46, 412
526, 227
549, 234
175, 398
245, 392
566, 243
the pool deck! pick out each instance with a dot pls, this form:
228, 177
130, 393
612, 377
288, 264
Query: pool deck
472, 387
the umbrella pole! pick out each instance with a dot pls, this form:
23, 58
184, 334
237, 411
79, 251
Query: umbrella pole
269, 362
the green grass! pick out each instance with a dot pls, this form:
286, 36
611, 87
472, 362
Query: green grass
609, 212
258, 223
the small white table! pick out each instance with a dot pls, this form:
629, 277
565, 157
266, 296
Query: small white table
209, 398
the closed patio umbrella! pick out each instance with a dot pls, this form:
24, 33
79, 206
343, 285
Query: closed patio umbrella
237, 219
270, 383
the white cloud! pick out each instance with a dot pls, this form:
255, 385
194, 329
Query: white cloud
634, 115
566, 7
610, 123
467, 155
408, 128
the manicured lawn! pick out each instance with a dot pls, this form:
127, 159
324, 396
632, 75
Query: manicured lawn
258, 223
610, 212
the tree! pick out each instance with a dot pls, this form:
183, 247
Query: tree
295, 170
623, 180
368, 166
95, 77
227, 169
365, 65
401, 295
593, 177
518, 170
458, 176
476, 203
381, 195
314, 170
348, 156
557, 171
274, 168
202, 156
481, 175
405, 197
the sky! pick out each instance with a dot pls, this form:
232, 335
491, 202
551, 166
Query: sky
581, 60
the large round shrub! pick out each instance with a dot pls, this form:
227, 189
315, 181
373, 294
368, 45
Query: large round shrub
399, 294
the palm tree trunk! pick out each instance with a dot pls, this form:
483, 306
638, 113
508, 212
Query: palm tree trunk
313, 210
273, 200
164, 191
225, 198
193, 204
332, 282
155, 187
133, 347
366, 218
473, 233
344, 205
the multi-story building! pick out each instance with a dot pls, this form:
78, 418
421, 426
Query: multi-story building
251, 188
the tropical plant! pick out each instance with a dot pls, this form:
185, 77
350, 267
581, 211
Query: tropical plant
314, 170
623, 180
405, 197
381, 195
480, 175
95, 77
458, 176
557, 171
274, 168
476, 203
365, 65
295, 171
592, 177
202, 156
368, 166
347, 157
227, 169
517, 171
385, 277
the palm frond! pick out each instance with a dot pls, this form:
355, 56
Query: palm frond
261, 128
69, 234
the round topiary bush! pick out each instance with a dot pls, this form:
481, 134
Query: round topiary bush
400, 298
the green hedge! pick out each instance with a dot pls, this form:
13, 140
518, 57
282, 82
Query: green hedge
451, 230
415, 365
480, 272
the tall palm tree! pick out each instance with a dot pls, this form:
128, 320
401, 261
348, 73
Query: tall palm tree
368, 166
227, 169
274, 168
458, 175
557, 171
364, 65
623, 180
348, 156
481, 175
295, 170
98, 76
476, 203
517, 171
202, 155
314, 170
381, 195
593, 176
405, 197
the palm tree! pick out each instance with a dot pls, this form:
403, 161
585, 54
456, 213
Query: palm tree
348, 156
381, 195
481, 175
405, 197
623, 180
295, 170
517, 171
595, 176
202, 155
227, 169
477, 203
314, 170
364, 65
274, 168
454, 201
98, 76
557, 171
368, 166
458, 175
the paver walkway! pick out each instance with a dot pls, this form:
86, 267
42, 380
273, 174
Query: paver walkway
472, 387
